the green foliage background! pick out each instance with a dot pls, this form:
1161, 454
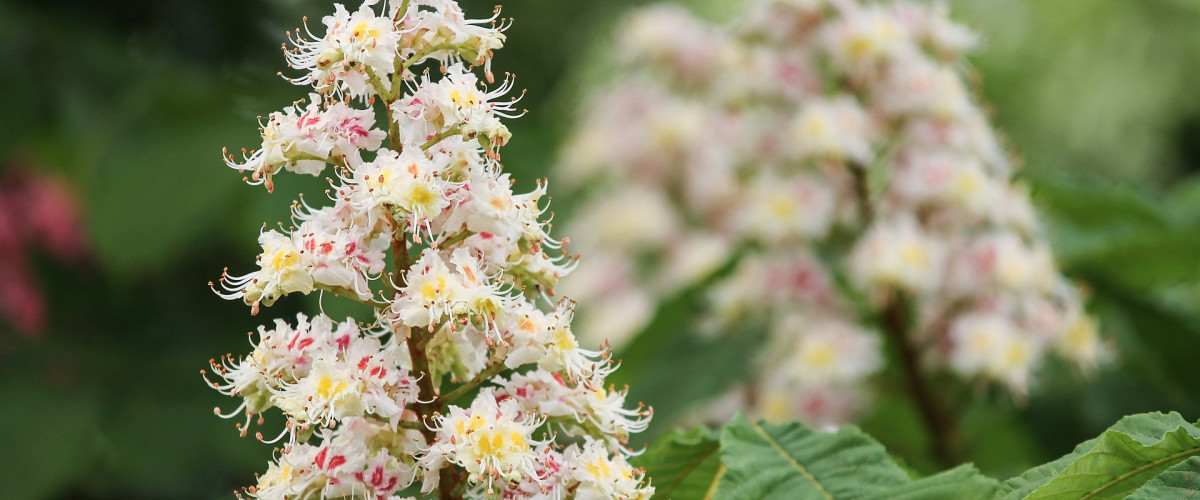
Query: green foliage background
131, 103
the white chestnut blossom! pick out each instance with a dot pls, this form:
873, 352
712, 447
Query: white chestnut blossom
822, 171
447, 385
305, 140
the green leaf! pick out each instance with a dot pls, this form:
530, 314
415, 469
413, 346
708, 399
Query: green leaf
1021, 486
789, 461
1126, 456
683, 464
964, 481
1180, 481
1146, 428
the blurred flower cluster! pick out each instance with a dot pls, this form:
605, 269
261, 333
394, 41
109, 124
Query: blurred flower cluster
37, 213
832, 151
456, 309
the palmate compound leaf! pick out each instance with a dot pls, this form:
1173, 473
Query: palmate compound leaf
683, 464
1180, 481
791, 461
1126, 456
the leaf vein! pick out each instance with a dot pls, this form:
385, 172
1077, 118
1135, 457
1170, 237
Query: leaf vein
786, 456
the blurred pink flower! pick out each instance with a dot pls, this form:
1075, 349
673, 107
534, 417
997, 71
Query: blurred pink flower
37, 213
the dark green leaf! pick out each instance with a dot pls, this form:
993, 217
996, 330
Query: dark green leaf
1123, 458
1180, 481
790, 461
683, 464
964, 481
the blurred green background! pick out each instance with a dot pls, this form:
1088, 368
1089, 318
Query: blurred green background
130, 103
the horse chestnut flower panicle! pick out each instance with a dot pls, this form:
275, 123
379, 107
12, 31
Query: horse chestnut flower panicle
832, 153
468, 373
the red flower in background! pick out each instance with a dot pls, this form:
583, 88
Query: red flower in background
37, 213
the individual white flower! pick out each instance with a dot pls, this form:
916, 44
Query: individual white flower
306, 140
384, 475
897, 254
1080, 342
407, 182
943, 178
604, 411
487, 204
990, 345
920, 86
1019, 267
284, 268
281, 355
347, 131
445, 25
355, 47
457, 98
345, 247
385, 388
430, 292
290, 476
792, 208
603, 475
551, 480
836, 128
864, 36
491, 440
329, 392
829, 351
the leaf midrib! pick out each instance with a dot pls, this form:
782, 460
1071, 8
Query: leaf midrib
690, 466
712, 488
1138, 470
786, 456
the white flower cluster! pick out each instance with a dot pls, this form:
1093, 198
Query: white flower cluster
838, 143
424, 227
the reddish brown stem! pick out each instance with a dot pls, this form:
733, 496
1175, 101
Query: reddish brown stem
942, 426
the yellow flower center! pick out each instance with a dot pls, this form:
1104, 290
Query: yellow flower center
499, 444
327, 388
421, 195
820, 356
471, 425
363, 31
431, 292
1081, 333
464, 99
599, 469
782, 206
564, 339
379, 181
1015, 354
966, 185
913, 255
282, 259
859, 47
